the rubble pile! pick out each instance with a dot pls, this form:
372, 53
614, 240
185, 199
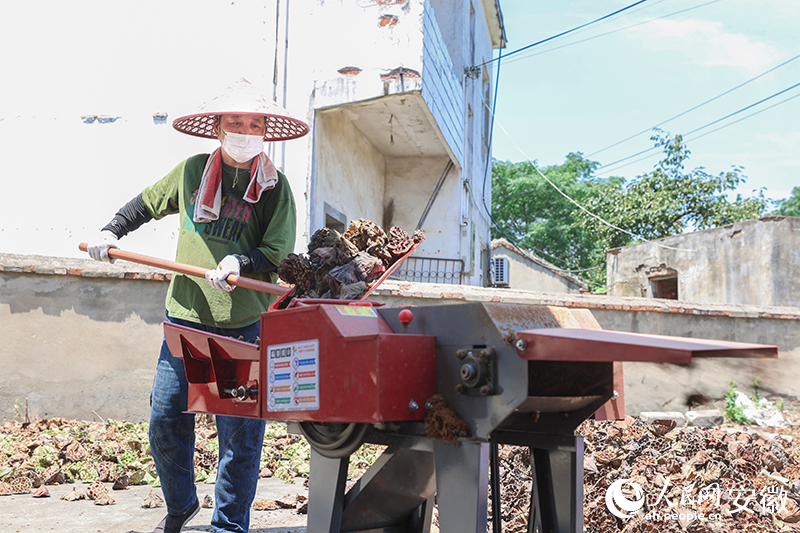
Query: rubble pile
344, 266
692, 479
727, 479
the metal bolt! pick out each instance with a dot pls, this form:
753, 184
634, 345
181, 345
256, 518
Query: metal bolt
535, 416
522, 344
412, 405
461, 354
564, 416
459, 388
468, 372
616, 395
486, 390
487, 354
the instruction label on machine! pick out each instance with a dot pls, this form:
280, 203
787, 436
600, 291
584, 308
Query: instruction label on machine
293, 376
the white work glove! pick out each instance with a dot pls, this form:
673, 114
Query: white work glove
98, 247
216, 278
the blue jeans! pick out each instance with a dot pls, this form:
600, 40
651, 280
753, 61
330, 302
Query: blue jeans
172, 443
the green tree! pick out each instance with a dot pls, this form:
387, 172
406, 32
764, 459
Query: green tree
666, 201
531, 213
789, 207
669, 200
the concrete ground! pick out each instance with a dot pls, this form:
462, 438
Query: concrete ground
22, 513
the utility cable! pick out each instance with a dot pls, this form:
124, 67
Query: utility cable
704, 126
579, 206
568, 31
697, 106
486, 173
527, 56
709, 132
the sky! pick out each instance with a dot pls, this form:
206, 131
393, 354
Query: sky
611, 80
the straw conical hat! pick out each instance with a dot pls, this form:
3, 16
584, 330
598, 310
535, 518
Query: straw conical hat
239, 99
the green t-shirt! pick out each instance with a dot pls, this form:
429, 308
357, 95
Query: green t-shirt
268, 226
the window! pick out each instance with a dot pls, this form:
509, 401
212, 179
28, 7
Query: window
665, 287
334, 219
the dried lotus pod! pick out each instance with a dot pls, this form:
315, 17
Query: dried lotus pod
345, 274
287, 502
151, 500
399, 242
381, 252
659, 428
295, 269
609, 457
319, 239
207, 503
368, 267
56, 478
41, 492
265, 505
104, 470
347, 249
419, 236
73, 452
353, 291
21, 485
772, 461
364, 233
121, 483
325, 256
104, 499
205, 459
700, 458
96, 489
73, 495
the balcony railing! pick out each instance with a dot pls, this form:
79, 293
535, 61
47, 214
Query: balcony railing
431, 270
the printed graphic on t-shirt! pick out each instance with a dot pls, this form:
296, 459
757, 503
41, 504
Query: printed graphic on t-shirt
234, 216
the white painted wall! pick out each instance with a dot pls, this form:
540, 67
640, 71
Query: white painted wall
64, 179
350, 171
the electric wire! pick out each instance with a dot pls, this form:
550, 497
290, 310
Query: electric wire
567, 32
606, 167
527, 56
696, 107
707, 133
581, 207
489, 180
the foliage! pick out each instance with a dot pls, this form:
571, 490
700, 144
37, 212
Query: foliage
789, 207
529, 212
670, 201
734, 412
666, 201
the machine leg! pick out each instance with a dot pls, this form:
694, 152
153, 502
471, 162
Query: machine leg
462, 482
557, 493
326, 492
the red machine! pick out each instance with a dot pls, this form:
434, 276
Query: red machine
350, 372
342, 373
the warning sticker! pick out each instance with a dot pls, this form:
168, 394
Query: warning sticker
356, 310
293, 379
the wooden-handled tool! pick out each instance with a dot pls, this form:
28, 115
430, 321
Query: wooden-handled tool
233, 279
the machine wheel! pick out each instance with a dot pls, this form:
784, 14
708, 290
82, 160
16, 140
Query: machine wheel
332, 439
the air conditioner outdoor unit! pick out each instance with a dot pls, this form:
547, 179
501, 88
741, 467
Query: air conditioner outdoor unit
500, 274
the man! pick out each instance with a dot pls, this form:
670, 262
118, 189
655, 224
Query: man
237, 214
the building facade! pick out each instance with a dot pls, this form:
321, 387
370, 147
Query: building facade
395, 94
756, 262
520, 270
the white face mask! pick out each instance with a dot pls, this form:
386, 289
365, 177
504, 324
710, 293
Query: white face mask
242, 148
